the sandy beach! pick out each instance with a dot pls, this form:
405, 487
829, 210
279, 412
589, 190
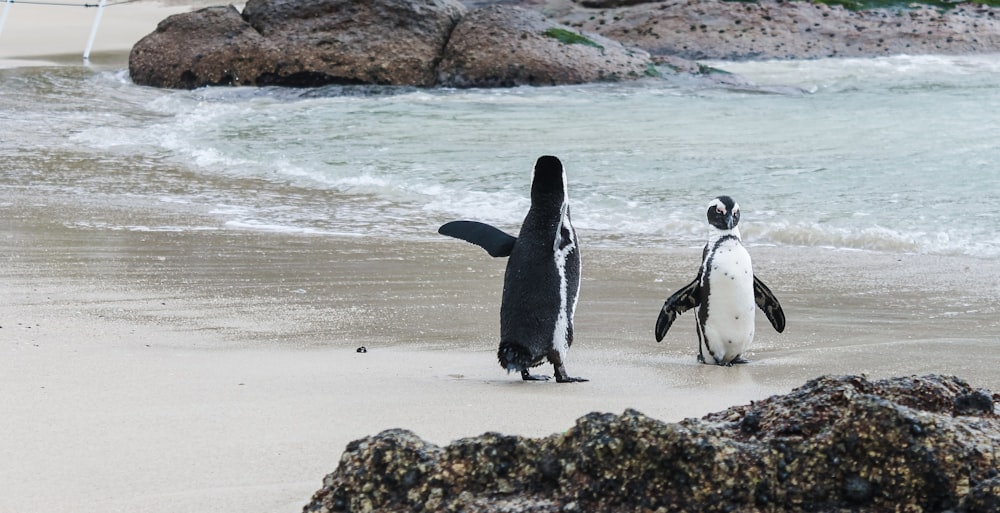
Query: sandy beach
218, 369
202, 368
59, 31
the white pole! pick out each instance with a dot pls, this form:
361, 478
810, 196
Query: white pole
3, 18
93, 30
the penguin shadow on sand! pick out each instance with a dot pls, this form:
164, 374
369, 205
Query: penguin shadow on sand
542, 278
725, 293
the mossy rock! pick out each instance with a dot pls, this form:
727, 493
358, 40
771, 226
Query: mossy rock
568, 37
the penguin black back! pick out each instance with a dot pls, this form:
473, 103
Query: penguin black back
542, 280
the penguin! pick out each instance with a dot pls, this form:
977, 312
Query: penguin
725, 292
542, 278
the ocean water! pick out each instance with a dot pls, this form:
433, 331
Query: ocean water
892, 154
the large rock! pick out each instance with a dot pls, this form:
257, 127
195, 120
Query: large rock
423, 43
302, 43
400, 42
211, 46
926, 444
779, 29
390, 42
504, 46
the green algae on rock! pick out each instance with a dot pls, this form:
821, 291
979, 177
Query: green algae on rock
837, 443
568, 37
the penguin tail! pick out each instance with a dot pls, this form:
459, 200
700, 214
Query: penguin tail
515, 357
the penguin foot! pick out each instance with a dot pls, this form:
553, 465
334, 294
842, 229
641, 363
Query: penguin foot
563, 377
738, 360
533, 377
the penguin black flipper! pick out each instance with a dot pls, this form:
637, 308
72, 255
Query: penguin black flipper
768, 304
495, 241
679, 302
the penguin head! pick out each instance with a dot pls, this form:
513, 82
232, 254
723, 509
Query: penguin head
723, 213
548, 182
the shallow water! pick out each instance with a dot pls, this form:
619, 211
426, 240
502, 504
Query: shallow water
894, 154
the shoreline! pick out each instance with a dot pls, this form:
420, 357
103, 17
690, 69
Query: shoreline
216, 369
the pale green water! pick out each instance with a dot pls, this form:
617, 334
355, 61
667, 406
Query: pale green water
887, 154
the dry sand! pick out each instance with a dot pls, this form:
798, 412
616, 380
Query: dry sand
34, 32
217, 369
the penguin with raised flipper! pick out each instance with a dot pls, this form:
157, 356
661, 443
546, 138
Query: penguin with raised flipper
725, 293
542, 280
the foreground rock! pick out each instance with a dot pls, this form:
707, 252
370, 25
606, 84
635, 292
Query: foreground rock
837, 443
422, 43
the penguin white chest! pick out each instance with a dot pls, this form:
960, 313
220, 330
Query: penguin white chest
729, 321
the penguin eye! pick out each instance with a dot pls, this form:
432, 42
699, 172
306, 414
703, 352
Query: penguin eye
719, 211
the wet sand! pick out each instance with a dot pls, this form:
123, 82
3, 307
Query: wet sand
211, 369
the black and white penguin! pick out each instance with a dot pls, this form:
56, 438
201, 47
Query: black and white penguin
725, 291
542, 280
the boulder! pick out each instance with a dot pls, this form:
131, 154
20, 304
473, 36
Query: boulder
505, 46
211, 46
778, 29
421, 43
298, 43
835, 444
385, 42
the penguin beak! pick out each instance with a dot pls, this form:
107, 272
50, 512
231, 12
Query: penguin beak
730, 222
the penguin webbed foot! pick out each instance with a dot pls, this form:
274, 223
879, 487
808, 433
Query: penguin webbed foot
563, 377
739, 360
527, 376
